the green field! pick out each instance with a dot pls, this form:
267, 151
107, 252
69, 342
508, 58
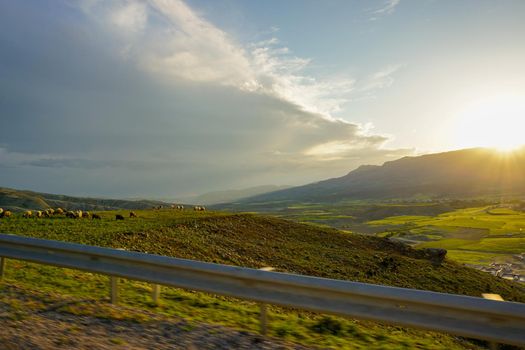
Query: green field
251, 241
473, 235
352, 215
474, 231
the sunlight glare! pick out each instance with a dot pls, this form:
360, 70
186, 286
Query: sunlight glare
497, 122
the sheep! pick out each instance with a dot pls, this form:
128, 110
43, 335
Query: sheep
86, 214
78, 214
180, 207
28, 214
59, 211
50, 211
119, 217
1, 211
38, 214
95, 216
70, 214
132, 214
6, 214
199, 208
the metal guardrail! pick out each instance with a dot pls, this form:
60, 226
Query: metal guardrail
496, 321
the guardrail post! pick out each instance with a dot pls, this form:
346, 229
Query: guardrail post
155, 293
114, 290
263, 319
263, 316
2, 267
497, 297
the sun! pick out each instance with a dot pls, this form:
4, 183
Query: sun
495, 122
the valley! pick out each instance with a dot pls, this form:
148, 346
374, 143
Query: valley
474, 232
242, 240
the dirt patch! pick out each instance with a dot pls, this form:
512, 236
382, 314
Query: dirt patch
46, 327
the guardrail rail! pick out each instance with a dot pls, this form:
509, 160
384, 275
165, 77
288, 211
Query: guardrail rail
495, 321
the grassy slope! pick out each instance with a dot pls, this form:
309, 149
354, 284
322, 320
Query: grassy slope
255, 241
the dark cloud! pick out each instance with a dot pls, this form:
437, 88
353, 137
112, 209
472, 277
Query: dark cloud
78, 117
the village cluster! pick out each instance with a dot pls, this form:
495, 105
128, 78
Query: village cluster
514, 271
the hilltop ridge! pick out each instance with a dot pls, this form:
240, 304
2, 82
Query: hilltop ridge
17, 200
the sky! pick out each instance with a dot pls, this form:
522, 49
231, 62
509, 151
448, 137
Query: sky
168, 98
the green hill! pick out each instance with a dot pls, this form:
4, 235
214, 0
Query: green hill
18, 200
258, 241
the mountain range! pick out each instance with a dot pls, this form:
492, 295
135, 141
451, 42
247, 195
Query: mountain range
456, 174
227, 196
468, 173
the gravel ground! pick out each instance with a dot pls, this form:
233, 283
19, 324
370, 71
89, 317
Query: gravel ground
49, 328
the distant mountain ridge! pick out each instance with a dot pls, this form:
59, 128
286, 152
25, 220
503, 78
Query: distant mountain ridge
463, 173
226, 196
20, 200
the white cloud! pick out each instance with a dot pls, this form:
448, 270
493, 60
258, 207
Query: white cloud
380, 79
387, 8
131, 17
280, 74
191, 48
186, 46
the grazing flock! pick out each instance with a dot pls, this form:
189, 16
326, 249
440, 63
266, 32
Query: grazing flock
72, 214
181, 207
79, 214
